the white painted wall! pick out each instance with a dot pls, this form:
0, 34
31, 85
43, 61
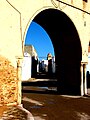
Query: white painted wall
88, 65
26, 67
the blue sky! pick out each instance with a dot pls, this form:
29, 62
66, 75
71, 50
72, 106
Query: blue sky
41, 41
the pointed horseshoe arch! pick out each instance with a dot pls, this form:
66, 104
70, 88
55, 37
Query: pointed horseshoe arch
67, 46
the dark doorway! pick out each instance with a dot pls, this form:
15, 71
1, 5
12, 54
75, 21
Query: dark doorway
67, 46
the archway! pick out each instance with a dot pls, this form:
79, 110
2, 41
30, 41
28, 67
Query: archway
41, 46
67, 48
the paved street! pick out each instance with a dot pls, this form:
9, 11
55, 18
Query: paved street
56, 107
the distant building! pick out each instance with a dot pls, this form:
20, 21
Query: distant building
49, 56
31, 50
26, 66
88, 65
43, 66
53, 65
30, 62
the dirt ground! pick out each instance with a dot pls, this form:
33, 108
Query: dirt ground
57, 107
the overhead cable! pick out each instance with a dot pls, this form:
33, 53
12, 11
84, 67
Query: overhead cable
73, 6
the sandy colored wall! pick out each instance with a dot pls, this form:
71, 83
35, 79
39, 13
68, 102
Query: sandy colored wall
10, 50
77, 11
15, 18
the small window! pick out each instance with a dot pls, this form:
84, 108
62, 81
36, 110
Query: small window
85, 0
89, 43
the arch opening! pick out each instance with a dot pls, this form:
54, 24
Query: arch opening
39, 45
67, 46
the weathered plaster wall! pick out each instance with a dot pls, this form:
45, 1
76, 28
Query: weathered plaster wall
72, 8
10, 34
10, 50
